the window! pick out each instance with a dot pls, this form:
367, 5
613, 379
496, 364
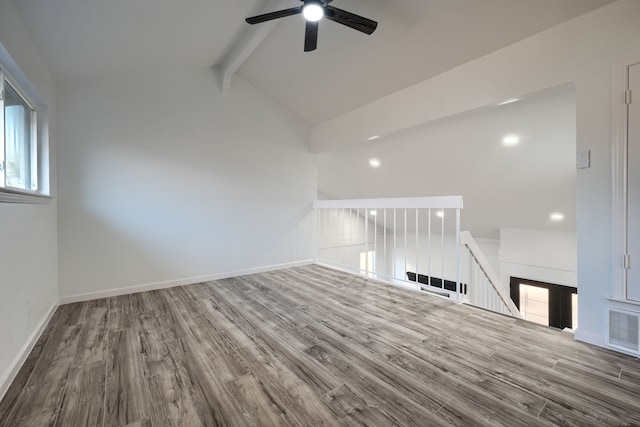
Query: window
24, 137
19, 151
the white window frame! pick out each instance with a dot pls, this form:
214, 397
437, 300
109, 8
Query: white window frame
20, 195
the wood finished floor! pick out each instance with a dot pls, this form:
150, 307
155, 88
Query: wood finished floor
311, 346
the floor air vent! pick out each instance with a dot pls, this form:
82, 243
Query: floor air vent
623, 329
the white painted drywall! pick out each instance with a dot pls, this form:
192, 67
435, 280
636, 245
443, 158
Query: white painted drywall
160, 174
516, 186
542, 255
582, 51
28, 233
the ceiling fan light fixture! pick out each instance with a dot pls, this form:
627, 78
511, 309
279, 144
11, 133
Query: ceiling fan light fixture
313, 11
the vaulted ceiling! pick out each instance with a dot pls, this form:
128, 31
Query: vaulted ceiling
415, 40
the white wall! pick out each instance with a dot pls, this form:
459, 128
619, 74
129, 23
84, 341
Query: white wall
516, 186
160, 174
542, 255
582, 51
28, 253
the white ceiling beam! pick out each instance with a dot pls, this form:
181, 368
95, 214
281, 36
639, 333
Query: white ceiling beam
248, 42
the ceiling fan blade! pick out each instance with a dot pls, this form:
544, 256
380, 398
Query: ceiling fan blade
351, 20
311, 36
274, 15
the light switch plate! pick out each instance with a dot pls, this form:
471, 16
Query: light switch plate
584, 159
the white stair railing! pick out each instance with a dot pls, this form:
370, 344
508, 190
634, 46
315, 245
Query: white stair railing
484, 287
415, 243
391, 239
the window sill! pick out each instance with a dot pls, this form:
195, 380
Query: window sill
623, 301
14, 196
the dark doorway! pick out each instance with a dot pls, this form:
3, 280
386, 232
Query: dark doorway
545, 303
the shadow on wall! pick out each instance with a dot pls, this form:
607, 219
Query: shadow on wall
107, 257
140, 218
189, 182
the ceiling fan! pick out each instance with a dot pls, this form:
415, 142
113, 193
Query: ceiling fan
313, 11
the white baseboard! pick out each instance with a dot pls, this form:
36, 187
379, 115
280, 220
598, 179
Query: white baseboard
10, 374
589, 338
343, 269
180, 282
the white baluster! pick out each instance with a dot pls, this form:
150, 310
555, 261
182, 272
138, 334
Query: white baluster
395, 245
384, 230
442, 249
459, 290
429, 246
404, 273
417, 249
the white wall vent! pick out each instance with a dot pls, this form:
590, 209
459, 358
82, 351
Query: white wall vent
624, 330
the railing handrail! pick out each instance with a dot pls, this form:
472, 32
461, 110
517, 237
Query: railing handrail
466, 239
440, 202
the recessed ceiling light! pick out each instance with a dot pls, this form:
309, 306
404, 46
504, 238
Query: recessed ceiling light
509, 101
313, 12
373, 138
373, 212
374, 163
440, 214
510, 140
556, 216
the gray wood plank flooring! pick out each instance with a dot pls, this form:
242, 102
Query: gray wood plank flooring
311, 346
